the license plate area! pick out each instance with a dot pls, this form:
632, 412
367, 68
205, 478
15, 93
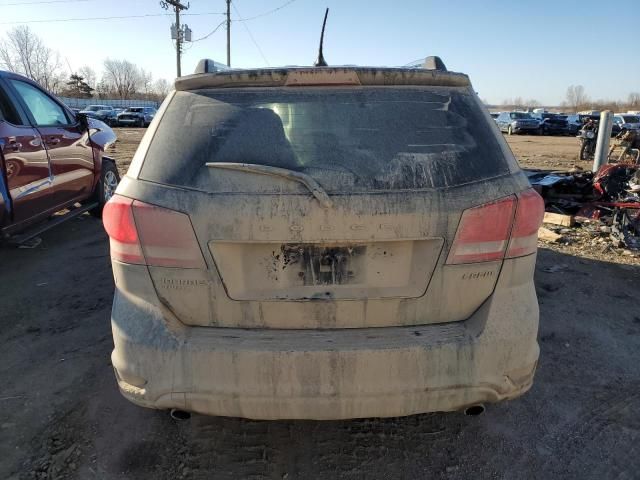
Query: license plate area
312, 271
321, 265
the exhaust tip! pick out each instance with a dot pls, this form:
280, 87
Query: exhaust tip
179, 415
474, 410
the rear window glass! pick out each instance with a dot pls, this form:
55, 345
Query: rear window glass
371, 138
520, 115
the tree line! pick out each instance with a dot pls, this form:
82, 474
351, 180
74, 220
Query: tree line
576, 100
23, 52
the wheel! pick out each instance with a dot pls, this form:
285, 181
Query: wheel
509, 130
13, 168
109, 179
141, 122
584, 152
541, 131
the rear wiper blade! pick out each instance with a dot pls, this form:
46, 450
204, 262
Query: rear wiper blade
314, 187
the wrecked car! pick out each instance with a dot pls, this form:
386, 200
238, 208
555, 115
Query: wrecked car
104, 113
51, 159
324, 243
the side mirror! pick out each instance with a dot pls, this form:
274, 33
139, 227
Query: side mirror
83, 121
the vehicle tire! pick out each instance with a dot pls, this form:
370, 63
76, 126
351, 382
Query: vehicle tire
141, 123
509, 130
109, 180
583, 155
541, 131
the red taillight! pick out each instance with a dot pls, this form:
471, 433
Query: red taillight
529, 215
489, 232
117, 218
151, 235
483, 232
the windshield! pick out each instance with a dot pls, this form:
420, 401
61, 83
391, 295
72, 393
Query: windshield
96, 108
520, 115
134, 110
631, 119
354, 139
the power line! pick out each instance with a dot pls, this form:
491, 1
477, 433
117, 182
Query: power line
266, 13
42, 2
123, 17
249, 32
82, 19
211, 32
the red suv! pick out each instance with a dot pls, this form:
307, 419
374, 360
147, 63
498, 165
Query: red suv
50, 158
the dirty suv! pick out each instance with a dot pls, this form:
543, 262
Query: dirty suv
323, 243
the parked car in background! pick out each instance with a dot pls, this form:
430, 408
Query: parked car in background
50, 158
294, 243
517, 122
136, 116
104, 113
574, 124
627, 121
494, 115
551, 123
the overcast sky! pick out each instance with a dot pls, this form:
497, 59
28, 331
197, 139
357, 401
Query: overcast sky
531, 49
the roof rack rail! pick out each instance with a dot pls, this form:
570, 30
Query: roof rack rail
206, 65
434, 63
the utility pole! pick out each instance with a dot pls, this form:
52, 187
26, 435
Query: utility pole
177, 32
228, 33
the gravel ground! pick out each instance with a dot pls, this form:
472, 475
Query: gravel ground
63, 417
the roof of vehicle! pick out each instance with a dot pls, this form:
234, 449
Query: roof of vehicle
334, 76
17, 76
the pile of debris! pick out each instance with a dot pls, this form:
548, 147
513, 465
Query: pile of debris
600, 210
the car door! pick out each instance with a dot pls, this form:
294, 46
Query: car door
70, 154
27, 177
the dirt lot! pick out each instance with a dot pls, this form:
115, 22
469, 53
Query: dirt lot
63, 417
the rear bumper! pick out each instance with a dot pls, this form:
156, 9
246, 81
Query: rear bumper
328, 374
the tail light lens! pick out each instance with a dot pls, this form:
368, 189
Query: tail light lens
117, 218
146, 234
508, 227
483, 232
529, 216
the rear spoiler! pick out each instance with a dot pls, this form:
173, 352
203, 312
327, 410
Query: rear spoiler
306, 76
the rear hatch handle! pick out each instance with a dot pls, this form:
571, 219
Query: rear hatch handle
314, 187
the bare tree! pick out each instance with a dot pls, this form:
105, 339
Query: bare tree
89, 75
576, 97
24, 52
161, 88
123, 76
633, 101
146, 79
533, 103
518, 103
